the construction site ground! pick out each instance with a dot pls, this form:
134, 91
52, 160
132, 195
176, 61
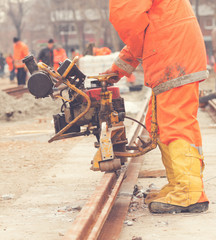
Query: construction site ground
43, 186
177, 226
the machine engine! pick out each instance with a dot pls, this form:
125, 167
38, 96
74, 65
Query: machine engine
97, 110
41, 84
71, 110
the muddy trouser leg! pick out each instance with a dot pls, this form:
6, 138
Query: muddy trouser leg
179, 132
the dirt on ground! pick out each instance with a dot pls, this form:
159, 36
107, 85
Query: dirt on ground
140, 224
44, 186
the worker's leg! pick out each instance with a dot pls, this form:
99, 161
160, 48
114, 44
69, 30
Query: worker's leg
184, 191
164, 153
169, 173
18, 76
21, 76
179, 131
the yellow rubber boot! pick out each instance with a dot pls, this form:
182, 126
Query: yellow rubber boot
185, 187
166, 161
169, 173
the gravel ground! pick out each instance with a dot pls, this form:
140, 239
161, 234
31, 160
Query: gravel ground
44, 186
146, 226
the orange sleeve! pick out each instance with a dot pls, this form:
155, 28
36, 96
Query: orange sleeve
130, 19
125, 63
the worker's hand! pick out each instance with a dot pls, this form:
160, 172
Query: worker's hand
112, 79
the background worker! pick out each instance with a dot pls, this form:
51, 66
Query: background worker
59, 55
10, 63
46, 54
20, 52
75, 53
214, 47
101, 51
2, 64
165, 36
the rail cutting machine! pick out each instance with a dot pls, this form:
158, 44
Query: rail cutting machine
97, 110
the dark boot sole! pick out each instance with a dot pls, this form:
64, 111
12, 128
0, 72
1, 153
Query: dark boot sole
157, 207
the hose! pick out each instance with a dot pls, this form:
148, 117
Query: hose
135, 121
60, 133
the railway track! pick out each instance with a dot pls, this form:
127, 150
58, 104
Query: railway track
113, 193
211, 109
16, 91
109, 203
103, 215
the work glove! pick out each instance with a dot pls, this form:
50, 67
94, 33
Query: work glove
112, 80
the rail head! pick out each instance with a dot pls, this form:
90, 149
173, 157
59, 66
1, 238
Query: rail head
90, 220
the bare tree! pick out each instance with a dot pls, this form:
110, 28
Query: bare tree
102, 27
17, 10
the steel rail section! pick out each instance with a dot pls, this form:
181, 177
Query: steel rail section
114, 223
211, 109
212, 103
19, 91
16, 91
91, 219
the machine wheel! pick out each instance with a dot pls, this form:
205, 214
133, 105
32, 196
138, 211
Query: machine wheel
110, 165
120, 148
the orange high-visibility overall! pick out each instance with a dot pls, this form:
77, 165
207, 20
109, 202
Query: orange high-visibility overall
20, 51
165, 37
59, 55
10, 63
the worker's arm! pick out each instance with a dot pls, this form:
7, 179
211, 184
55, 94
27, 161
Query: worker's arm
123, 65
130, 19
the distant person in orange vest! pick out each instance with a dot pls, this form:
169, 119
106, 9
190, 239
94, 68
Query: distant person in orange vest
59, 55
10, 63
75, 53
101, 51
46, 54
20, 52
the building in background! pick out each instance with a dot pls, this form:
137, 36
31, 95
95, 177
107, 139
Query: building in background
71, 24
74, 24
207, 22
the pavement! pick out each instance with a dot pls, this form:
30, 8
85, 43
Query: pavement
147, 226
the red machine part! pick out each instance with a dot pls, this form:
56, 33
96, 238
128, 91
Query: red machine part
95, 93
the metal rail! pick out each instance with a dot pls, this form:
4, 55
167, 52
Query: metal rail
19, 91
16, 91
211, 109
89, 223
212, 103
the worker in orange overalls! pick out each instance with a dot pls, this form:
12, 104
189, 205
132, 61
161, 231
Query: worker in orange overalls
75, 53
10, 63
165, 37
59, 55
101, 51
20, 52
